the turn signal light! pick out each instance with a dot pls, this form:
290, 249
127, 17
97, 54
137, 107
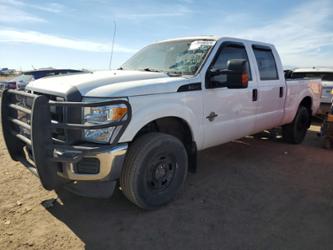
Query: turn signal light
245, 79
118, 113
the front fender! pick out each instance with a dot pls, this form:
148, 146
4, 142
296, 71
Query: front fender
146, 109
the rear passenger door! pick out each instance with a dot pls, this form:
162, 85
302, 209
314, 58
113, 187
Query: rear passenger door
271, 89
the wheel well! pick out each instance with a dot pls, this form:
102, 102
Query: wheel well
176, 127
307, 102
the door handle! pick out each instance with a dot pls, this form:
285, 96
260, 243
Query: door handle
281, 92
254, 95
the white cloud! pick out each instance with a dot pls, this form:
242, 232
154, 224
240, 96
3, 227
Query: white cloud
12, 2
48, 7
9, 14
33, 37
301, 35
169, 11
150, 15
51, 7
187, 1
16, 11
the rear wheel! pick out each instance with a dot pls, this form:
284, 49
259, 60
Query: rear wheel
154, 171
295, 132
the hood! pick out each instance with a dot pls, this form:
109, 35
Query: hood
109, 83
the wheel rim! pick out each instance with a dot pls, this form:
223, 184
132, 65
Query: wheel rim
161, 173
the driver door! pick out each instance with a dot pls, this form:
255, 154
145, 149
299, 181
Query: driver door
229, 114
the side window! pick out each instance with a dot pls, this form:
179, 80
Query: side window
228, 52
266, 63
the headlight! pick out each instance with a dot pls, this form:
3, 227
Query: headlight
99, 116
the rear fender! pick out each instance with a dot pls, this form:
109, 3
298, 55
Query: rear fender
294, 99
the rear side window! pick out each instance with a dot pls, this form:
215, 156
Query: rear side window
266, 63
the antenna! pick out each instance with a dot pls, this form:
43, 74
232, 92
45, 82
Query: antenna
112, 46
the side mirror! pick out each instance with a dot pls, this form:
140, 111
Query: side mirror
234, 77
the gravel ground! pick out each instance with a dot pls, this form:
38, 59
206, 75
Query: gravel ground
255, 193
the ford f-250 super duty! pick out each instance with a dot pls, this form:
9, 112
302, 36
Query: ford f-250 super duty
143, 123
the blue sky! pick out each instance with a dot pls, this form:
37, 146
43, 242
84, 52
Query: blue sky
78, 33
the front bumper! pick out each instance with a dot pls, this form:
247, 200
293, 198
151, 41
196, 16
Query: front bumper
101, 164
30, 134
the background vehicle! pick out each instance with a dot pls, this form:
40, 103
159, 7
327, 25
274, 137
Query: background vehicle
21, 81
326, 75
144, 123
6, 71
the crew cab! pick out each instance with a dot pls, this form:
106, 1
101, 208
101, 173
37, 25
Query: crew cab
143, 123
326, 75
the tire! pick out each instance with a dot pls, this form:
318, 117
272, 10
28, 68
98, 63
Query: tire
295, 132
154, 170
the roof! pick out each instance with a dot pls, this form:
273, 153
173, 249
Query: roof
216, 38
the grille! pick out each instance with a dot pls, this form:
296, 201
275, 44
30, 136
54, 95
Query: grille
57, 116
25, 102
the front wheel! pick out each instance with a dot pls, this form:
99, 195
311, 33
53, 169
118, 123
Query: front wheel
295, 132
154, 171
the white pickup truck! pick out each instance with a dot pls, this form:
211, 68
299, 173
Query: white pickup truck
144, 123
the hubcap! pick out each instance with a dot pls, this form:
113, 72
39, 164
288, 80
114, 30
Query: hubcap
161, 173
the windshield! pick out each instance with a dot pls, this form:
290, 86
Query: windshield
182, 57
325, 76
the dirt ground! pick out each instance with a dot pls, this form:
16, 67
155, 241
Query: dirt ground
255, 193
3, 78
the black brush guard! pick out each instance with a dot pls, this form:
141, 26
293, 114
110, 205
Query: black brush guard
43, 147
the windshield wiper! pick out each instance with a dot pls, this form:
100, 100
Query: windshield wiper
174, 73
150, 70
169, 73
